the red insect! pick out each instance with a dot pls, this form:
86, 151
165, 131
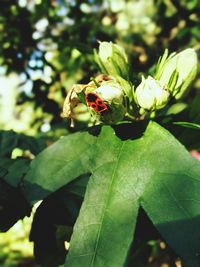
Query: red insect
96, 103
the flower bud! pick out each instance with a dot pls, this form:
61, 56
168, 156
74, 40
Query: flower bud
150, 94
113, 97
110, 91
177, 71
112, 59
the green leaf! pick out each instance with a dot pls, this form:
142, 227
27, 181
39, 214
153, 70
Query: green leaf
78, 186
58, 165
188, 124
105, 226
16, 171
172, 200
152, 171
8, 141
35, 145
13, 206
103, 232
5, 163
176, 108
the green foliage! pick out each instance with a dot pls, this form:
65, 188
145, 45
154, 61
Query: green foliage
112, 192
13, 206
148, 171
188, 124
13, 203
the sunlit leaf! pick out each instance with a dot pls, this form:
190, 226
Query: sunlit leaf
148, 171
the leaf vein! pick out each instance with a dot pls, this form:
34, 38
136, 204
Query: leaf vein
177, 202
108, 198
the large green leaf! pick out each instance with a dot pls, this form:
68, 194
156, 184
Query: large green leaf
154, 171
172, 196
57, 165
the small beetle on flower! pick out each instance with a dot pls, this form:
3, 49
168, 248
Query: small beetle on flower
103, 97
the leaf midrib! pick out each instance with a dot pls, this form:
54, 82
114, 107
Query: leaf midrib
106, 202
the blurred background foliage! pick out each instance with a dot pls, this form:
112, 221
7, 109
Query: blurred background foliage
47, 46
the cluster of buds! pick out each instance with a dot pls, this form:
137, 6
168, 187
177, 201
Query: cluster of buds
103, 97
112, 97
174, 74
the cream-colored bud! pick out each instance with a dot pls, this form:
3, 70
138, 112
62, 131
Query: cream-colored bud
113, 96
112, 60
177, 71
150, 94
